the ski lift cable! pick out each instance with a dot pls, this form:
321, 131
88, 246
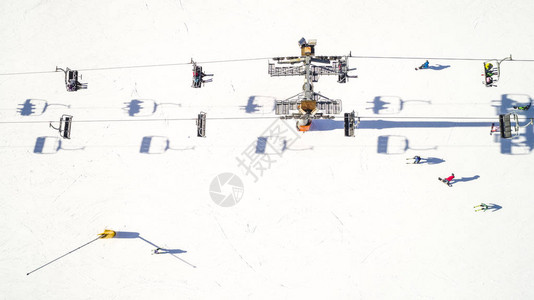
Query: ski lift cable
137, 120
140, 66
437, 58
257, 58
252, 118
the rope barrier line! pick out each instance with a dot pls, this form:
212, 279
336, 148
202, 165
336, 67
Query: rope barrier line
65, 254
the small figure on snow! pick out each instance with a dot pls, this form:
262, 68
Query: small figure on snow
158, 251
526, 107
495, 128
416, 159
447, 180
423, 66
482, 206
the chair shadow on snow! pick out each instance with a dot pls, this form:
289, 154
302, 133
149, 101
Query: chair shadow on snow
50, 145
261, 144
36, 107
158, 145
261, 104
144, 107
398, 144
276, 148
393, 144
523, 143
390, 104
251, 107
136, 235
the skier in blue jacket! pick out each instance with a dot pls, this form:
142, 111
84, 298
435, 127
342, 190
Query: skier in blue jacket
423, 66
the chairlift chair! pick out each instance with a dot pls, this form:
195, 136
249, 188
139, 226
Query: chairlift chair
197, 76
65, 125
507, 129
509, 125
492, 71
201, 124
352, 121
71, 80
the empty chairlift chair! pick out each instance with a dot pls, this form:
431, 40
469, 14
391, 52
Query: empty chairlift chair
201, 124
505, 125
65, 125
509, 125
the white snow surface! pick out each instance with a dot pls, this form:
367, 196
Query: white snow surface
332, 217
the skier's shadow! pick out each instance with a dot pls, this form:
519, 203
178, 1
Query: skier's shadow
494, 207
167, 251
465, 179
170, 251
431, 160
439, 67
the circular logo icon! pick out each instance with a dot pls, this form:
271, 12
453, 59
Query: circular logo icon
226, 189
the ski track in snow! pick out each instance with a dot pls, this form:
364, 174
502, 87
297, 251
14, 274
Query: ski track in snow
232, 246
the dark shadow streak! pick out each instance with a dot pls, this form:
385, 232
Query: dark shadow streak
494, 207
431, 160
324, 125
439, 67
251, 107
464, 179
381, 124
134, 235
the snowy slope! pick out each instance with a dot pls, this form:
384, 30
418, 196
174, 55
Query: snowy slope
331, 217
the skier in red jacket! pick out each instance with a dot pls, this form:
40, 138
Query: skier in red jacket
447, 180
